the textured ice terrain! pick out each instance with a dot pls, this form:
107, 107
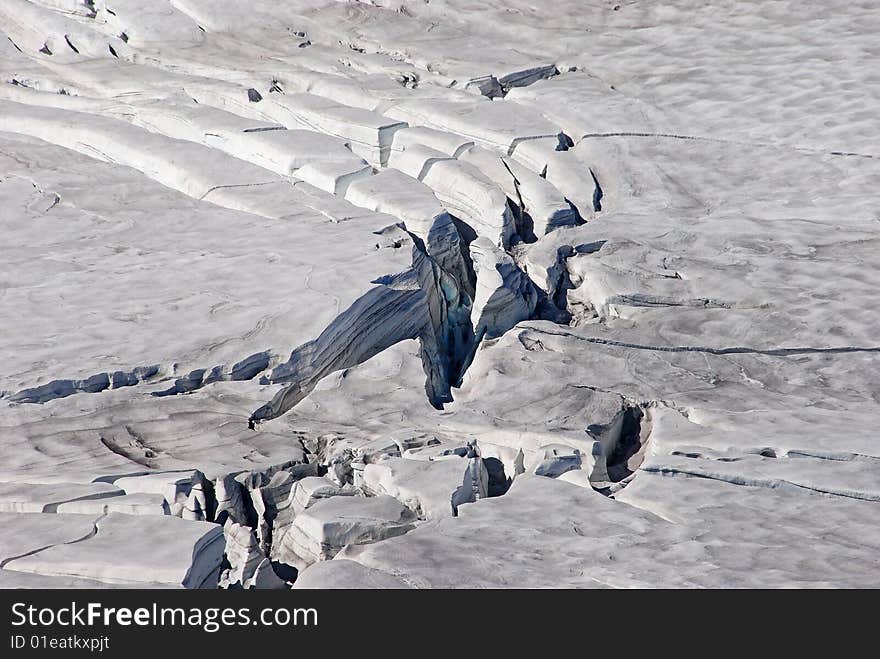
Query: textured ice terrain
452, 294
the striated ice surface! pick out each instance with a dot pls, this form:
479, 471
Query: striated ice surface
323, 294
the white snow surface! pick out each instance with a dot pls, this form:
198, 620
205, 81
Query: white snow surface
323, 294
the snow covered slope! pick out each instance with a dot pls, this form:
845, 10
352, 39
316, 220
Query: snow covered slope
447, 294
